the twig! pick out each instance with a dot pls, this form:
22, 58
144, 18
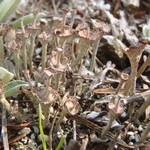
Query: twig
74, 130
15, 139
98, 129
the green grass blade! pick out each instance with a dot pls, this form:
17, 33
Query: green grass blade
7, 7
27, 19
60, 144
13, 87
5, 75
41, 128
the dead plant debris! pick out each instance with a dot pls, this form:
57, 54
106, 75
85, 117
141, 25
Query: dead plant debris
75, 75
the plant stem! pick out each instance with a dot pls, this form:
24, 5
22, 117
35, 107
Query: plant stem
60, 144
41, 128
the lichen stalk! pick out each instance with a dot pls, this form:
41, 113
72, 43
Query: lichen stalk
17, 62
142, 109
44, 53
62, 115
143, 67
24, 43
34, 31
1, 51
145, 133
82, 48
130, 87
95, 48
24, 53
32, 46
112, 117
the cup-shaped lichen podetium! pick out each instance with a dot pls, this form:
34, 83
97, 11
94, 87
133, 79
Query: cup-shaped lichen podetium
116, 108
44, 38
63, 34
23, 36
48, 96
71, 106
33, 32
134, 55
60, 63
123, 78
14, 47
100, 28
86, 38
55, 22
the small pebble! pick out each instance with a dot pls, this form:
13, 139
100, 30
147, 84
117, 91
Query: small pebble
38, 51
46, 137
36, 129
130, 133
59, 134
32, 144
140, 129
38, 56
131, 143
25, 110
137, 138
32, 136
25, 140
124, 114
25, 130
132, 127
132, 137
92, 115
